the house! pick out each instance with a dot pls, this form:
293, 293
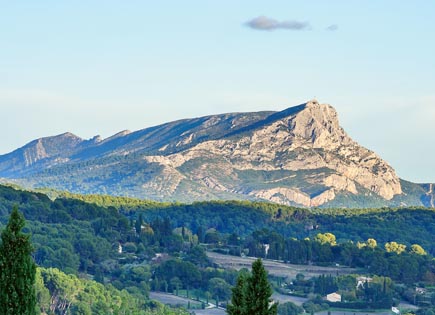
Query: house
419, 290
333, 297
160, 257
360, 281
266, 248
117, 246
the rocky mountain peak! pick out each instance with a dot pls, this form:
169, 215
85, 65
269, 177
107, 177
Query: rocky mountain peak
96, 139
65, 135
300, 155
49, 146
42, 149
317, 123
306, 139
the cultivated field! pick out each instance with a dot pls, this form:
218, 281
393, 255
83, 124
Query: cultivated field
276, 268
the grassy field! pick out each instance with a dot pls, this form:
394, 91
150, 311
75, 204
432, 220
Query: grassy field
277, 268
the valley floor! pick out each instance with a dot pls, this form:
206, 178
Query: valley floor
171, 299
276, 268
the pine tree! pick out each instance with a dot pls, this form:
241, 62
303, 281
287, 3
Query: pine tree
237, 306
252, 294
258, 292
17, 269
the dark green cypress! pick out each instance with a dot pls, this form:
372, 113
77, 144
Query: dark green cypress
17, 269
237, 306
138, 224
258, 292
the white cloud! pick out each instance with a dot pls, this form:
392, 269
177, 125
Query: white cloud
332, 28
264, 23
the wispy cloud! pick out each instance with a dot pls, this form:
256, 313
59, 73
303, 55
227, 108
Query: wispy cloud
332, 27
264, 23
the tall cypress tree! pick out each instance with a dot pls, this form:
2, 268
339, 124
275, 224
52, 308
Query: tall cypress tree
252, 294
237, 306
17, 269
138, 224
258, 292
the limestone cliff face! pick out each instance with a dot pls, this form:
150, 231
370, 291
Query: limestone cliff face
311, 139
56, 149
297, 156
51, 146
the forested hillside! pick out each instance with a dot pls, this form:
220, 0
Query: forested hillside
138, 246
407, 225
59, 293
67, 234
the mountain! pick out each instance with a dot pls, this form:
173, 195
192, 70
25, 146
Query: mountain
298, 156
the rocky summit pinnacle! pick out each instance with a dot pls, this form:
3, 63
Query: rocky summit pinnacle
298, 156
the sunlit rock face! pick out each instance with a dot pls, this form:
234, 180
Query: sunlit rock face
299, 156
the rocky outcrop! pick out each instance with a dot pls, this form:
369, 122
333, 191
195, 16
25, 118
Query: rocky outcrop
308, 140
44, 148
297, 156
50, 149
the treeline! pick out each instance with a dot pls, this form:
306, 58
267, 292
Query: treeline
125, 204
392, 259
403, 225
245, 217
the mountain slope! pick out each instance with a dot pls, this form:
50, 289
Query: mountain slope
299, 156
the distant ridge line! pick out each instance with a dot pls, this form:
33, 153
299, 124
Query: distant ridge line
270, 119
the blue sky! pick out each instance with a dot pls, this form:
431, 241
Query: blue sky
99, 67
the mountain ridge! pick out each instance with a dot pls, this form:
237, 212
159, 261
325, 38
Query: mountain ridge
298, 156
